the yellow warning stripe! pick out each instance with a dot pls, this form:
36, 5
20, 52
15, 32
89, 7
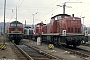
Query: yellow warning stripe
2, 47
51, 46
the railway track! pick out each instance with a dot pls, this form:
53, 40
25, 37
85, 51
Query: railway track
88, 44
85, 54
17, 52
82, 53
34, 53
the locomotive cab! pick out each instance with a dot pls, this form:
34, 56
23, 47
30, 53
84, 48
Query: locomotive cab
15, 31
28, 32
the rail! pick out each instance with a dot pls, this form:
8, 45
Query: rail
24, 53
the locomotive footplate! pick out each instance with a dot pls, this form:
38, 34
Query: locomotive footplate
15, 37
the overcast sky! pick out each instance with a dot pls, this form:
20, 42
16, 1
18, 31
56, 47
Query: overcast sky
45, 9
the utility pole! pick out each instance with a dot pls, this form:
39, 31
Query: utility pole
1, 30
16, 16
25, 23
4, 19
83, 24
64, 8
83, 20
33, 19
64, 5
4, 14
33, 25
16, 13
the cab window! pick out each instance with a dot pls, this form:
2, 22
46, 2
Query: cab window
55, 18
19, 25
13, 24
51, 20
58, 17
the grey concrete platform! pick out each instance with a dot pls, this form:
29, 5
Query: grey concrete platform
8, 53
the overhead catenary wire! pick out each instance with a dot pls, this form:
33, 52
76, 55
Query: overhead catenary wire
48, 6
69, 0
18, 8
52, 9
13, 11
47, 13
37, 8
17, 2
20, 3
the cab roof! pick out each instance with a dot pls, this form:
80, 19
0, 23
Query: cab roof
13, 22
60, 15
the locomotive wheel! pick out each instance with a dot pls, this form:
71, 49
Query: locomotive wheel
67, 43
74, 45
83, 42
55, 40
16, 42
13, 41
59, 42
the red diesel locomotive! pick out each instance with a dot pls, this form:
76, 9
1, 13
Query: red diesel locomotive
62, 29
15, 31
